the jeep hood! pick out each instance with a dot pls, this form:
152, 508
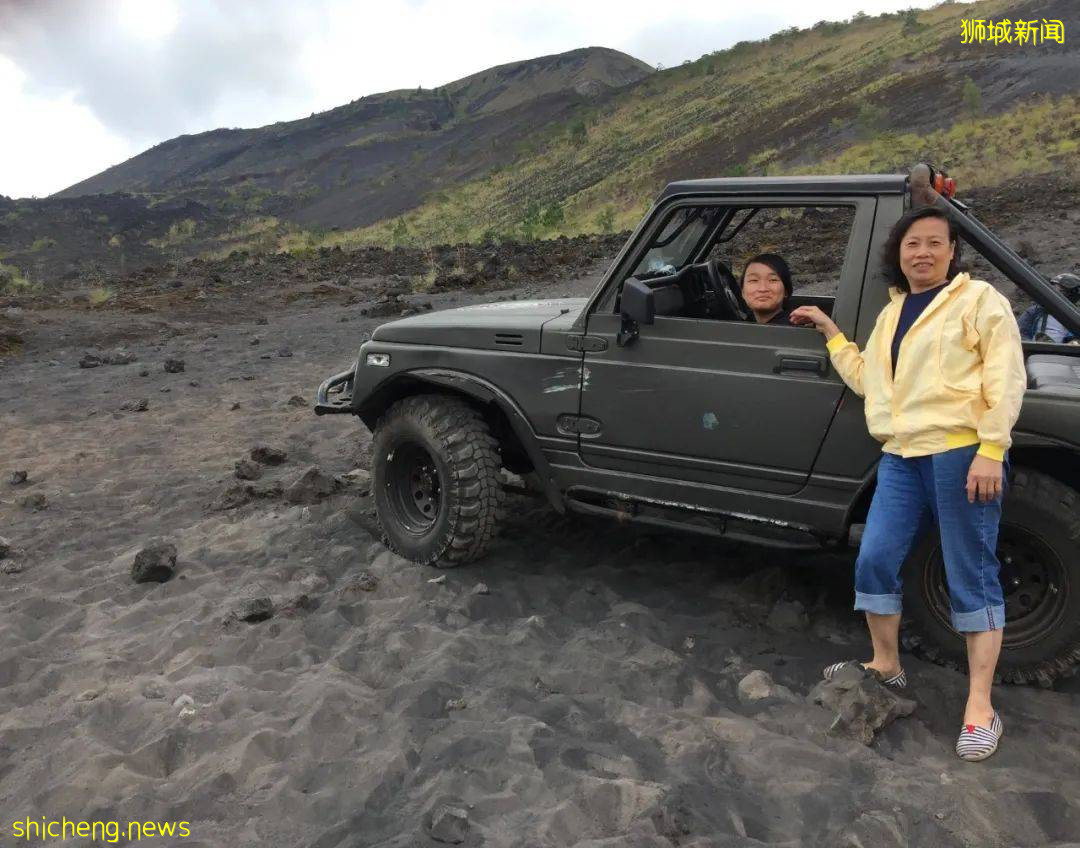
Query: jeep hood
513, 325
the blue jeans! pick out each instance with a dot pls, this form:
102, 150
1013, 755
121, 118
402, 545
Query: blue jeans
913, 494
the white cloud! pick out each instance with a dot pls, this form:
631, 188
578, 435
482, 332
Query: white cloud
149, 20
91, 82
50, 141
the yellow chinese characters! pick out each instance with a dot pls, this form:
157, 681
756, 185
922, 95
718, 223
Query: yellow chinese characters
1053, 31
1027, 31
974, 32
978, 31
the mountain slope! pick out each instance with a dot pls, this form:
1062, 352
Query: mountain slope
358, 163
873, 94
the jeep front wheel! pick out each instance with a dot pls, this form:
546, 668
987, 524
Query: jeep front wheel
1039, 550
436, 480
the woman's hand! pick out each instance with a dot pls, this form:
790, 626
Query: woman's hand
812, 315
984, 479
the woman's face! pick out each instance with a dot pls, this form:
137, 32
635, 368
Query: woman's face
925, 252
762, 288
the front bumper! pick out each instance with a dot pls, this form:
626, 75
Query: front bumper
341, 387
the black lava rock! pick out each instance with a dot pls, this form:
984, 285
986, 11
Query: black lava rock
266, 455
155, 563
246, 469
311, 487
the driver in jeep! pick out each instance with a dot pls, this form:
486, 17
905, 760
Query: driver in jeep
766, 286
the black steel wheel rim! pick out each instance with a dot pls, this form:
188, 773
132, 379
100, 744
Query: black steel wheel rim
1034, 581
414, 490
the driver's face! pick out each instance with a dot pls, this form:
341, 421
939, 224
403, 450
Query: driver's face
762, 288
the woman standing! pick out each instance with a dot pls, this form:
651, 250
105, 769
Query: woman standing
943, 377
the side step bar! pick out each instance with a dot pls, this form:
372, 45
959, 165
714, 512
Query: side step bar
683, 517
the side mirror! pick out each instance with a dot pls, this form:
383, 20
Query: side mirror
642, 300
638, 301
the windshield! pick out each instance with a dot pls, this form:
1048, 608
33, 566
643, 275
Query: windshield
675, 243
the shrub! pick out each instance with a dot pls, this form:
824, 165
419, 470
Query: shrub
399, 235
426, 281
870, 119
11, 279
179, 232
552, 217
578, 133
531, 222
42, 243
972, 97
605, 219
783, 34
100, 295
911, 25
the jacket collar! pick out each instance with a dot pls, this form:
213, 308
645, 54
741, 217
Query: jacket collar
959, 281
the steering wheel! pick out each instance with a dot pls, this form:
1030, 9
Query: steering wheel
725, 288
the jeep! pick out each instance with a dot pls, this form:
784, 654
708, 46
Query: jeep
656, 400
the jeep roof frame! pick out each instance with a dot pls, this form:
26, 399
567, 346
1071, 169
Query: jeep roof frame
997, 252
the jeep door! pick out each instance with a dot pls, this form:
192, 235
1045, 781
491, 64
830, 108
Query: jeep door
734, 404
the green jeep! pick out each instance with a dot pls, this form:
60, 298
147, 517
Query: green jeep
655, 400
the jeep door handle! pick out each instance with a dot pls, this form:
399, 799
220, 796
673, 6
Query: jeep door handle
808, 364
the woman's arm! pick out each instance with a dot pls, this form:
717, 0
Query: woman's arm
846, 357
1004, 377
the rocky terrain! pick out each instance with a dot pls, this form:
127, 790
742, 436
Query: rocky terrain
199, 622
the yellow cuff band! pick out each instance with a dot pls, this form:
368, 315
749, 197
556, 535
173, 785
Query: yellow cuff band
991, 451
836, 342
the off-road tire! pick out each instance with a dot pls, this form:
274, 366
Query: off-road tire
464, 464
1044, 515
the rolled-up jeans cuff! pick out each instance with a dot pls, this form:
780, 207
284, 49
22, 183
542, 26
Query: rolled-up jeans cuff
878, 604
980, 620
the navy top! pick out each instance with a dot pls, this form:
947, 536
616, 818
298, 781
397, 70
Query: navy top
913, 307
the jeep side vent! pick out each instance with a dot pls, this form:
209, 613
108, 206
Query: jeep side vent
511, 339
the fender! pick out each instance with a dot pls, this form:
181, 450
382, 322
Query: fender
1036, 440
406, 382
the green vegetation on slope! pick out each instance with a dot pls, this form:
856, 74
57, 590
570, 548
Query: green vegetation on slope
836, 98
11, 280
1033, 138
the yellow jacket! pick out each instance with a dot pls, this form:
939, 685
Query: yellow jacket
959, 380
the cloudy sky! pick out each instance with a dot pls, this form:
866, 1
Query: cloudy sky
85, 84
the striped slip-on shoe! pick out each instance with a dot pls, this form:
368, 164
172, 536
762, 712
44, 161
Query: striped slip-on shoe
897, 681
976, 743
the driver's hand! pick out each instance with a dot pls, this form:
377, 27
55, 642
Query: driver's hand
805, 316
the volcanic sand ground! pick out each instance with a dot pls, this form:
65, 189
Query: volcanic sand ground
598, 675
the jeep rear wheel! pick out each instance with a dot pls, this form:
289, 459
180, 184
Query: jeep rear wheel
1039, 550
436, 480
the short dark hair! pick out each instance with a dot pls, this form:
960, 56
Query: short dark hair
775, 262
890, 259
